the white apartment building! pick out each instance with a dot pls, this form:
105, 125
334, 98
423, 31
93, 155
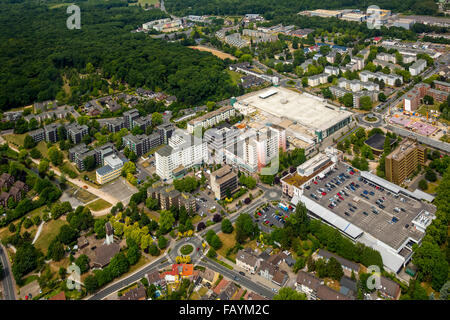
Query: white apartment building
408, 58
387, 57
389, 79
317, 79
417, 67
359, 62
331, 70
356, 85
212, 118
256, 148
183, 151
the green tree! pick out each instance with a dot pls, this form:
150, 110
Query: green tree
55, 250
55, 156
43, 166
83, 263
211, 253
347, 100
91, 284
99, 228
28, 142
166, 221
365, 103
89, 163
423, 185
162, 242
245, 228
288, 293
227, 226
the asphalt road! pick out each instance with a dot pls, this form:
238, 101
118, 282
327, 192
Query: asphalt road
157, 264
7, 281
242, 280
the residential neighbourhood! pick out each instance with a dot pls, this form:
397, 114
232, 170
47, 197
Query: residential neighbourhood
323, 174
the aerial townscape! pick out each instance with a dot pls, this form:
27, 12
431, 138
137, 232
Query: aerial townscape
225, 150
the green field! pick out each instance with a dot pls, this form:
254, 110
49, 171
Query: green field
149, 2
15, 139
99, 205
235, 76
42, 147
49, 231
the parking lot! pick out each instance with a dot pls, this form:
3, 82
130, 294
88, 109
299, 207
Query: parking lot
120, 189
271, 217
384, 215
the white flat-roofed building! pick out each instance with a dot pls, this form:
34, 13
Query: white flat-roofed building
211, 118
311, 112
326, 13
254, 149
408, 58
387, 57
357, 85
392, 235
388, 79
417, 67
317, 79
182, 150
111, 170
358, 61
331, 70
357, 17
404, 23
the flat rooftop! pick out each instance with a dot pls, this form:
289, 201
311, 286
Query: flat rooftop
307, 110
380, 226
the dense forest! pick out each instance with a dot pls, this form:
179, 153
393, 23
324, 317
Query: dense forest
270, 8
37, 52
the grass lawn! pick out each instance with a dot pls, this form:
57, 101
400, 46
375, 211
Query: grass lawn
195, 296
235, 76
42, 148
67, 166
29, 280
229, 241
149, 2
429, 290
432, 186
151, 214
49, 231
99, 205
196, 219
15, 139
202, 291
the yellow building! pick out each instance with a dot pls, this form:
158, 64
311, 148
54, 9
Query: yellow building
111, 170
403, 161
